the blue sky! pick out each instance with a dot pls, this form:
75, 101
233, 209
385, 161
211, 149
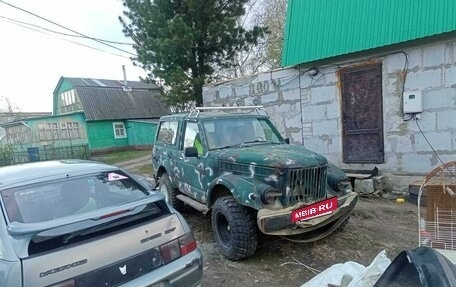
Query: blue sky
32, 62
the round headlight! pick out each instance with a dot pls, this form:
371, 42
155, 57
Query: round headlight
269, 195
343, 184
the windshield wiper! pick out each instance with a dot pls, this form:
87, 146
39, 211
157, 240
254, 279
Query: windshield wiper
255, 141
229, 146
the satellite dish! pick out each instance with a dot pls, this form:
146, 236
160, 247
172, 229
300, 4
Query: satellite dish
2, 133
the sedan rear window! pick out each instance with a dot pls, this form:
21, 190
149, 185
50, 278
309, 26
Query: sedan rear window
56, 199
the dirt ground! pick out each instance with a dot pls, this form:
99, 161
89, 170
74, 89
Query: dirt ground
375, 225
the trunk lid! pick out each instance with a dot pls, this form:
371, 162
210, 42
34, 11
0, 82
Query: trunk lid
109, 252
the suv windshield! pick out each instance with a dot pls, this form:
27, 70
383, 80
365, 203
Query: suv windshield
56, 199
237, 131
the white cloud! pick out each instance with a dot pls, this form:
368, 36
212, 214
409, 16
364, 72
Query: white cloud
31, 63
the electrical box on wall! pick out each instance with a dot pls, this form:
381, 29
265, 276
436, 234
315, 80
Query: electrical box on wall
412, 102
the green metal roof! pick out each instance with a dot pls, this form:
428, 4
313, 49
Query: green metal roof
320, 29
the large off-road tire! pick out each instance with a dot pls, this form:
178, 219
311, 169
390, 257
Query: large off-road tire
234, 228
170, 192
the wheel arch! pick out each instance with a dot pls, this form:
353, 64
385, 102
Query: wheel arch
237, 187
217, 191
161, 170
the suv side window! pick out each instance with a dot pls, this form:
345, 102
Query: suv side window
192, 137
167, 132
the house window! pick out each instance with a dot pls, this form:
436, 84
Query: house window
56, 131
119, 130
73, 130
63, 131
68, 98
45, 131
41, 131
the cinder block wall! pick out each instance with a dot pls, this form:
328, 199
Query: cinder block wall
307, 109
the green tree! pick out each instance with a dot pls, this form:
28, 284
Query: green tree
182, 42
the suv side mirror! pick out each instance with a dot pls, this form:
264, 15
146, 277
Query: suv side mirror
287, 140
191, 152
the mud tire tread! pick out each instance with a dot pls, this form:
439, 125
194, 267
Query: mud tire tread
243, 228
172, 192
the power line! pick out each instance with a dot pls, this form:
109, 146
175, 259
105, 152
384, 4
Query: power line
61, 33
66, 28
101, 41
77, 43
424, 136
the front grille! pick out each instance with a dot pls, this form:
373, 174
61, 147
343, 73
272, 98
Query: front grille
305, 185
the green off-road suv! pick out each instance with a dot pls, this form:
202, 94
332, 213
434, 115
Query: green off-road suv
235, 162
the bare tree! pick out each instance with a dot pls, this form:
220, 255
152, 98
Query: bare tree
267, 54
273, 16
8, 111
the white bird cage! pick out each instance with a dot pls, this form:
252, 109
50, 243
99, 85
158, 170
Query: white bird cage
437, 210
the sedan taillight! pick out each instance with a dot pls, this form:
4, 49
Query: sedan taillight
178, 248
170, 251
187, 243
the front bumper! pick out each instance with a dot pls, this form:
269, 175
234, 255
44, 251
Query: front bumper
278, 222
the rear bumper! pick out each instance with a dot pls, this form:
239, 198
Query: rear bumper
186, 271
278, 222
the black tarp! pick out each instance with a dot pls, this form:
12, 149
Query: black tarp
422, 266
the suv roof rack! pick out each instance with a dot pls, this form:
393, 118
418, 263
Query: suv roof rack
196, 111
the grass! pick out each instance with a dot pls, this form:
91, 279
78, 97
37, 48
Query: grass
120, 156
145, 169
